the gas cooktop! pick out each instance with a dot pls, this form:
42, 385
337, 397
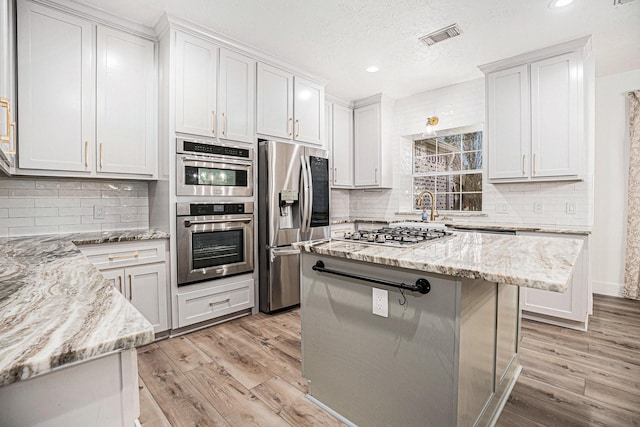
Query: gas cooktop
395, 236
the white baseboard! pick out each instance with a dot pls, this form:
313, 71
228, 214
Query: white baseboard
607, 288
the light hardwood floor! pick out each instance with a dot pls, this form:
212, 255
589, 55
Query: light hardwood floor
247, 372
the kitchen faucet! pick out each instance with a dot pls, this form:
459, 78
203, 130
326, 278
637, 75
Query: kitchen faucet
432, 217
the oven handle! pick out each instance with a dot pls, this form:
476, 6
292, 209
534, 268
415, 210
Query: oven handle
207, 159
188, 223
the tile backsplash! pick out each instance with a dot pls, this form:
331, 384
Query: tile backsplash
31, 206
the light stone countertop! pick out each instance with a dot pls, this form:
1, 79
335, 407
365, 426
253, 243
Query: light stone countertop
539, 262
56, 308
488, 226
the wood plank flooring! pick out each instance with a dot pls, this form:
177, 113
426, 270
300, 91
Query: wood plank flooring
247, 372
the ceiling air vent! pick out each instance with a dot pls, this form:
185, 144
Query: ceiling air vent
446, 33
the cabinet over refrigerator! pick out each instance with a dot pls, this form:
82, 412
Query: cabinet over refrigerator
293, 206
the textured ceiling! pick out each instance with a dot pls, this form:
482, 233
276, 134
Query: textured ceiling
338, 39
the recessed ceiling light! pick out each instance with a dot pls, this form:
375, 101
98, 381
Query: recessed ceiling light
553, 4
372, 69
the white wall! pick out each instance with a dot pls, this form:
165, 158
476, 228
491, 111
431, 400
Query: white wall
611, 175
31, 206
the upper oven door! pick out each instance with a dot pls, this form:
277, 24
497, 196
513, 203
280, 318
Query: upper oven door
214, 246
203, 176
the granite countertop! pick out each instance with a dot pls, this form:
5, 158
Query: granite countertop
466, 225
538, 262
56, 308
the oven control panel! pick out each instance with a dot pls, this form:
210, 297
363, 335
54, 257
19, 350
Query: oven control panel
199, 209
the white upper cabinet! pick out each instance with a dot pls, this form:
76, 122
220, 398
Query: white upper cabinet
236, 96
125, 130
7, 87
87, 97
308, 107
554, 116
215, 90
196, 84
274, 102
342, 145
56, 86
289, 107
536, 107
372, 118
508, 123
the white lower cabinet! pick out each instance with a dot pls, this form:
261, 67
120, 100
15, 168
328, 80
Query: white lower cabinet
138, 270
570, 309
205, 304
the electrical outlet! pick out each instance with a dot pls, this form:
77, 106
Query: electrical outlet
537, 207
571, 208
501, 207
380, 302
98, 212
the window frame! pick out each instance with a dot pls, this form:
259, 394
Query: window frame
459, 173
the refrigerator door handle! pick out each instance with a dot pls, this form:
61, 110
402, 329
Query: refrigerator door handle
305, 195
310, 190
276, 252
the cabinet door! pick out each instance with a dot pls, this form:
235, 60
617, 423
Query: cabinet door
236, 96
308, 105
570, 305
56, 86
125, 103
342, 146
508, 123
274, 102
147, 290
116, 278
196, 80
367, 142
554, 116
7, 92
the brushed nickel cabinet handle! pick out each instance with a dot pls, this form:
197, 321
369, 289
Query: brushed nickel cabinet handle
290, 126
120, 284
213, 124
86, 154
534, 164
130, 288
212, 303
131, 255
335, 175
298, 128
523, 156
101, 155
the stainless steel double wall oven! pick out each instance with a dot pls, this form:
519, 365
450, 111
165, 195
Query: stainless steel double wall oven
215, 232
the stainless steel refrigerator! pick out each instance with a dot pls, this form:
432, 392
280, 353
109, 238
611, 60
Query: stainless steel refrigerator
293, 205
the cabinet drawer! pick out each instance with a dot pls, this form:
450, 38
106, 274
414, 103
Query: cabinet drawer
122, 254
205, 304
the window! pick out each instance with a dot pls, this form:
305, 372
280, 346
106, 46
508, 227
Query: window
451, 168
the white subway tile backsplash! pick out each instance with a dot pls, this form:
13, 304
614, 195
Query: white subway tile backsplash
55, 203
31, 206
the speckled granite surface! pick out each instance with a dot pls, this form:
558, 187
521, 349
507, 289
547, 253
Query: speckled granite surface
57, 309
530, 261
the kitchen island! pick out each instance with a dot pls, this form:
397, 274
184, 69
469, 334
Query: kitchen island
67, 337
445, 357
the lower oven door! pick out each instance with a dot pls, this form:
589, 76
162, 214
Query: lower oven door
210, 247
